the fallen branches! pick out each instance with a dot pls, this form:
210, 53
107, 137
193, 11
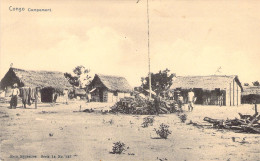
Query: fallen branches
246, 123
142, 106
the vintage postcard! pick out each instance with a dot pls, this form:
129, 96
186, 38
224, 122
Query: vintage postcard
143, 80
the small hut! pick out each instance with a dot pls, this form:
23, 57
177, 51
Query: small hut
80, 92
251, 94
107, 88
210, 90
47, 81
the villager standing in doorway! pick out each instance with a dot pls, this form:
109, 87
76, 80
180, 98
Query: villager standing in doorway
66, 95
191, 98
14, 96
179, 101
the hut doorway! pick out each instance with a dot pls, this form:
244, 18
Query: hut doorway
199, 95
101, 95
46, 94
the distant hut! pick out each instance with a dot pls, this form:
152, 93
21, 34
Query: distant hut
80, 92
47, 82
209, 89
251, 94
106, 88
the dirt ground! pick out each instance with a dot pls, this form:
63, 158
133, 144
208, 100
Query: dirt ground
62, 133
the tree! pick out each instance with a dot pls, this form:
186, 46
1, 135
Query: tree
73, 80
256, 83
80, 77
160, 81
246, 84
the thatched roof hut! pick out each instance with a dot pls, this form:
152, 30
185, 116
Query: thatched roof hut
212, 89
113, 83
107, 88
251, 94
30, 78
254, 90
206, 82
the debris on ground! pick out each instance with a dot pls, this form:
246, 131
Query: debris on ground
143, 106
246, 123
88, 110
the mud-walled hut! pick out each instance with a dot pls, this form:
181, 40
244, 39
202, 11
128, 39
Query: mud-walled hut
210, 90
107, 88
251, 94
46, 82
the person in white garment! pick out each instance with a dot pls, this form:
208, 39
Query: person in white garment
66, 96
191, 98
14, 96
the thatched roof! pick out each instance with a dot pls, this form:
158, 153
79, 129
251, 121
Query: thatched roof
113, 83
205, 82
80, 91
251, 90
30, 78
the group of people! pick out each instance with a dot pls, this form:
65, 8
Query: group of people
191, 99
179, 101
28, 94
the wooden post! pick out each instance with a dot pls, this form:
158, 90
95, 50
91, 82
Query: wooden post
256, 113
36, 98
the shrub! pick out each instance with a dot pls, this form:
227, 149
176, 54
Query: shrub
111, 122
147, 121
118, 148
163, 131
183, 117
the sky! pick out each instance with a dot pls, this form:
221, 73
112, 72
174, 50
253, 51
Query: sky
110, 37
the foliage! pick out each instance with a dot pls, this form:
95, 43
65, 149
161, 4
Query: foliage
256, 83
183, 117
160, 81
118, 147
246, 84
73, 80
148, 121
163, 131
79, 77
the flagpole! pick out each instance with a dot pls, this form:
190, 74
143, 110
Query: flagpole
149, 59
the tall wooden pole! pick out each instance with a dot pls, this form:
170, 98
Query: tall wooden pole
36, 98
149, 59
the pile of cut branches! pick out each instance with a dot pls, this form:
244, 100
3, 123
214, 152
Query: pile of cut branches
246, 123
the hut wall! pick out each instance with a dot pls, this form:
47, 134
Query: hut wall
110, 97
233, 94
8, 91
105, 95
229, 96
239, 95
115, 96
95, 96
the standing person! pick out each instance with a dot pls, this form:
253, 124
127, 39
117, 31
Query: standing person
180, 101
170, 95
89, 97
14, 96
191, 98
221, 99
66, 95
157, 101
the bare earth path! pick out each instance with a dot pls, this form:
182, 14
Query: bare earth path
58, 133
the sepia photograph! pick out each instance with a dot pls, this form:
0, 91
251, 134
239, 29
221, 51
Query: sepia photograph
132, 80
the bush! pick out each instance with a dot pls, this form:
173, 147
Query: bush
163, 131
111, 122
183, 117
118, 148
148, 121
